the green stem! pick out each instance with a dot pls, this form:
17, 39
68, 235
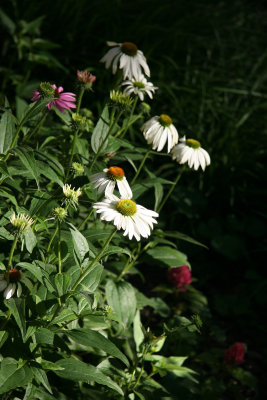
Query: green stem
140, 167
51, 241
75, 134
85, 273
12, 251
171, 189
80, 100
113, 122
86, 219
123, 133
59, 248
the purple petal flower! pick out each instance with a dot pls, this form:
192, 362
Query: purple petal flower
63, 101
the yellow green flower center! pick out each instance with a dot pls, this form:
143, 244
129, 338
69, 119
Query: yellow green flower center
126, 207
115, 173
193, 143
165, 120
46, 89
139, 85
129, 48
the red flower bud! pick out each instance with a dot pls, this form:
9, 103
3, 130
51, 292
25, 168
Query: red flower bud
235, 353
179, 277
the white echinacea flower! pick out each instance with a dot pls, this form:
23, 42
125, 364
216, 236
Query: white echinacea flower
10, 282
125, 214
158, 130
190, 150
139, 86
107, 180
127, 57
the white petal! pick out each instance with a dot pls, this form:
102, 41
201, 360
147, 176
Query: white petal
10, 290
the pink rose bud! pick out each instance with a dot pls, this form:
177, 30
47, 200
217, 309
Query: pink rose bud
179, 277
235, 353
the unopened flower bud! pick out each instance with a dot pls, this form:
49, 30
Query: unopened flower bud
78, 121
120, 99
86, 77
145, 108
60, 213
78, 169
180, 277
235, 353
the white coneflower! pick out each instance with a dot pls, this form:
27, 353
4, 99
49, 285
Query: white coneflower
71, 195
139, 86
21, 221
158, 130
190, 150
125, 214
10, 282
127, 57
107, 180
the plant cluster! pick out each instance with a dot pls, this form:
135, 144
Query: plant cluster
74, 320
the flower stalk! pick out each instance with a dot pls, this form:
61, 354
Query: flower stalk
140, 167
14, 244
171, 189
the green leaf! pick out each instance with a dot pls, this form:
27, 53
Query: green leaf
95, 339
30, 239
26, 156
17, 308
49, 173
137, 331
11, 376
116, 250
65, 316
3, 337
158, 195
4, 234
33, 269
79, 371
44, 336
121, 298
92, 279
80, 243
62, 282
169, 256
179, 235
100, 131
41, 376
7, 130
7, 22
93, 234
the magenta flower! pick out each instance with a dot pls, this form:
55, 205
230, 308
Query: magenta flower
63, 101
235, 353
179, 277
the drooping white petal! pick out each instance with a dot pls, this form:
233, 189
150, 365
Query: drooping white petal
10, 290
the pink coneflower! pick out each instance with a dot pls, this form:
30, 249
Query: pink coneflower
63, 101
85, 77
